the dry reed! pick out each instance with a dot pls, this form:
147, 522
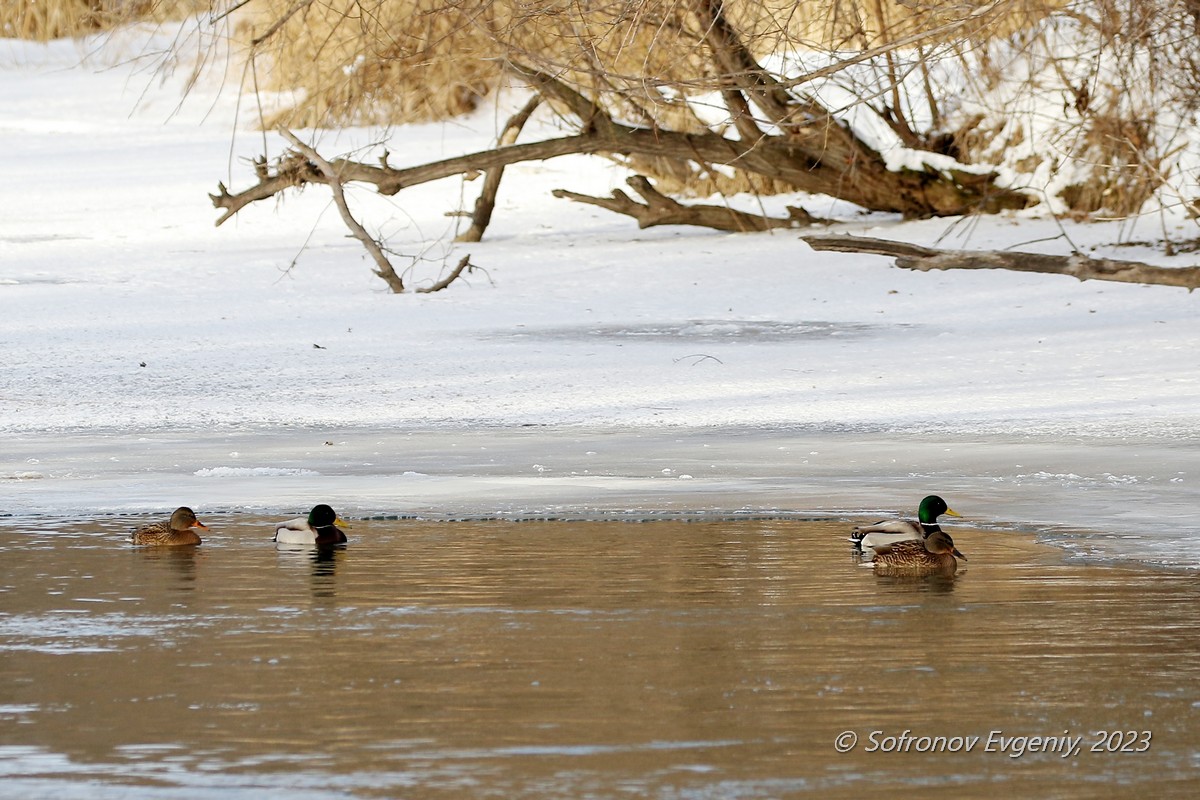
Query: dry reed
43, 20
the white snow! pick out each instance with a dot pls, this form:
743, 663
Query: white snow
144, 350
249, 472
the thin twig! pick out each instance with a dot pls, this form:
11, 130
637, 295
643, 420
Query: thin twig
279, 23
897, 44
699, 357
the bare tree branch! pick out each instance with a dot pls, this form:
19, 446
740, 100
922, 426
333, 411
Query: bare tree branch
279, 23
383, 267
818, 163
485, 204
662, 210
739, 65
939, 32
923, 259
449, 279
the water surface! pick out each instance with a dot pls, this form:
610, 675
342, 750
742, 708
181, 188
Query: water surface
666, 659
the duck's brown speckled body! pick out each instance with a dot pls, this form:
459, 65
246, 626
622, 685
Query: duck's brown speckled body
176, 531
936, 554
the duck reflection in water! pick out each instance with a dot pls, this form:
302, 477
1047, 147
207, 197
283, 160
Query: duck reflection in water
181, 561
321, 561
324, 570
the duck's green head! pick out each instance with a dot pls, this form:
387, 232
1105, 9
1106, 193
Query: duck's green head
322, 516
933, 507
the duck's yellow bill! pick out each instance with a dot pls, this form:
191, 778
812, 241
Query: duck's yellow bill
340, 523
953, 513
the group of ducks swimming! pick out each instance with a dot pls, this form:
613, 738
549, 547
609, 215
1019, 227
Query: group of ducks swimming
899, 546
320, 528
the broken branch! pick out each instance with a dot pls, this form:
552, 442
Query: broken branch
662, 210
820, 159
449, 279
383, 267
485, 204
923, 259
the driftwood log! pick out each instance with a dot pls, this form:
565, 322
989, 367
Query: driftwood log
658, 209
918, 257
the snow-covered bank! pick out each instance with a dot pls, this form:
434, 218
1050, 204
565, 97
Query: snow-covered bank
125, 316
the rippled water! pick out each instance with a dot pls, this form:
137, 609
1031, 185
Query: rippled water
585, 659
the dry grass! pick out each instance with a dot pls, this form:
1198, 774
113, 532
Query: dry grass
1123, 174
408, 60
1118, 84
370, 62
43, 20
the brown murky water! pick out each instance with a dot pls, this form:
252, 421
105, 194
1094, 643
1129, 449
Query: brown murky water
583, 659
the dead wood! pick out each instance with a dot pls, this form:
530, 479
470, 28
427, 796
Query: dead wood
818, 154
658, 209
485, 204
449, 279
820, 168
917, 257
383, 267
735, 61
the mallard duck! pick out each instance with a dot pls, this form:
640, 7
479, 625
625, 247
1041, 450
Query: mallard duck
934, 554
889, 531
175, 531
320, 527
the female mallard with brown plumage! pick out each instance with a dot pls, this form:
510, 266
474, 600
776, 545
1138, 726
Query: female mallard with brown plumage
890, 531
935, 554
175, 531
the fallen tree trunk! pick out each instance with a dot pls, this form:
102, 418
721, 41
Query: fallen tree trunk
820, 156
863, 183
923, 259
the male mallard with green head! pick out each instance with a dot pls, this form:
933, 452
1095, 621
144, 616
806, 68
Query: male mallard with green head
890, 531
935, 554
320, 527
176, 531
